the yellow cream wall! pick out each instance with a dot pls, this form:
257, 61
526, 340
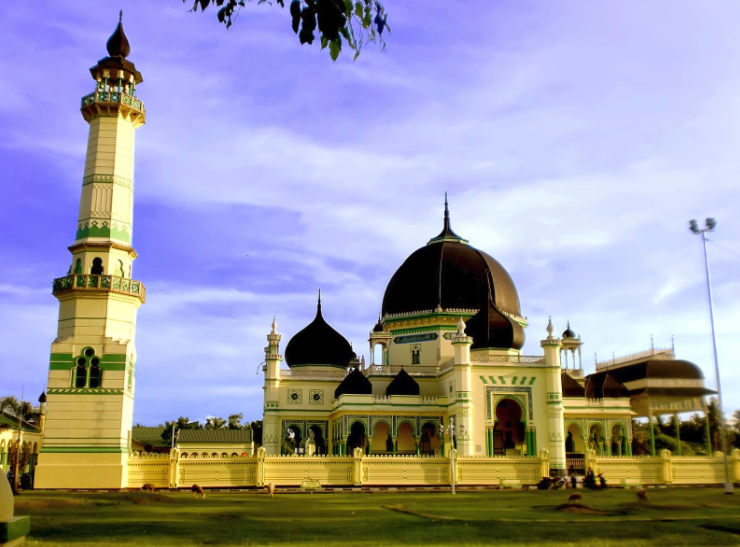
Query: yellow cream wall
80, 470
110, 314
109, 258
540, 410
110, 147
400, 354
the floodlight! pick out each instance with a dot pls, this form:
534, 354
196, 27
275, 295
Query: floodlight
711, 223
694, 226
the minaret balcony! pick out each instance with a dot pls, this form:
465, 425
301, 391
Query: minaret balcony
101, 103
98, 284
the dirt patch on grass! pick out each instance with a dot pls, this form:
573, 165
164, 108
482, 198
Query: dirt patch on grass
149, 499
39, 504
721, 528
580, 509
433, 518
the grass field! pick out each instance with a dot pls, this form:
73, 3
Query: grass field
701, 516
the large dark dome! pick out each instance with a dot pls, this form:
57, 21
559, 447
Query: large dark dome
318, 344
448, 272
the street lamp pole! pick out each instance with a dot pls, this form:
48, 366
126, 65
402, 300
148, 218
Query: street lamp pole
451, 431
710, 225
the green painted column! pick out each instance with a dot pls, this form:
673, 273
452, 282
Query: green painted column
608, 443
534, 441
490, 440
417, 448
652, 438
528, 441
628, 444
395, 446
369, 448
678, 434
489, 448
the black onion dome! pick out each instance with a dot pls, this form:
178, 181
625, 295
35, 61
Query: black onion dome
568, 333
571, 387
117, 44
378, 326
355, 383
449, 273
403, 384
318, 344
42, 397
492, 329
603, 385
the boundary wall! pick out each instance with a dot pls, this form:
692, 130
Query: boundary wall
172, 471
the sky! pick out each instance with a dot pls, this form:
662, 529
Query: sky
576, 140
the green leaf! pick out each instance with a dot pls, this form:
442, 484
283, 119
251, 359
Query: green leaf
335, 46
324, 41
359, 8
367, 20
357, 54
348, 7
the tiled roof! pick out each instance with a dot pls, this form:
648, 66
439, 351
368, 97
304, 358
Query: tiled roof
148, 435
214, 436
12, 423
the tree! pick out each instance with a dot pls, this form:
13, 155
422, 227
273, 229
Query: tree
235, 421
180, 423
215, 423
256, 427
23, 411
338, 21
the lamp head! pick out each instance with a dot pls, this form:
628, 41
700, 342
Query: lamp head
694, 227
711, 223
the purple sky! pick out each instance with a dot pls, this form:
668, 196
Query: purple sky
576, 140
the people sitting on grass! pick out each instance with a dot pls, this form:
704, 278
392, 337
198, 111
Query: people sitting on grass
589, 481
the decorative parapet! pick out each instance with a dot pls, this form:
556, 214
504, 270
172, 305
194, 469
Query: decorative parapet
301, 374
98, 284
482, 358
665, 353
102, 103
448, 311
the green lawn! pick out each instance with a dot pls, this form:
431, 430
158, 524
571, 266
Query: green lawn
701, 516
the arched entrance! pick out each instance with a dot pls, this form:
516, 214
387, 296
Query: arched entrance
619, 441
596, 439
357, 438
508, 433
429, 443
382, 442
406, 442
292, 441
574, 442
316, 441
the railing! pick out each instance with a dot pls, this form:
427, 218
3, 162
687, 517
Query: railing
108, 283
113, 97
666, 352
507, 359
391, 370
308, 374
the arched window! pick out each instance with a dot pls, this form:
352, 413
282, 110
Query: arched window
97, 266
78, 266
416, 355
184, 455
234, 455
118, 270
96, 375
80, 373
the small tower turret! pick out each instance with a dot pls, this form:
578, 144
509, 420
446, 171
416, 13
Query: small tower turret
270, 433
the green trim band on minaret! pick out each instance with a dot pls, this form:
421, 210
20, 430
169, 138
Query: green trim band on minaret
103, 231
108, 179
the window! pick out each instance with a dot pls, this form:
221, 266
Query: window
96, 375
78, 266
416, 356
80, 373
97, 266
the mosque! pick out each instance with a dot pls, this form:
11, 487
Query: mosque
446, 368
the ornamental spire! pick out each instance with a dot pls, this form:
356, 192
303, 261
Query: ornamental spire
447, 234
117, 44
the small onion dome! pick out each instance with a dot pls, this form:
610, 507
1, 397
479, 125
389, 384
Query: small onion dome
403, 384
568, 333
378, 326
117, 44
355, 383
492, 329
42, 397
318, 344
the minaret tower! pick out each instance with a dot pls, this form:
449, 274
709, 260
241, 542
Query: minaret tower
90, 394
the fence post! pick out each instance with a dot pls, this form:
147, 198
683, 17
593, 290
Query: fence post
357, 466
174, 467
666, 466
544, 463
260, 467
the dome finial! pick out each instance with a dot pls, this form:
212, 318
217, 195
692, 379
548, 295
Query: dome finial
550, 328
318, 306
447, 233
117, 44
274, 325
461, 327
